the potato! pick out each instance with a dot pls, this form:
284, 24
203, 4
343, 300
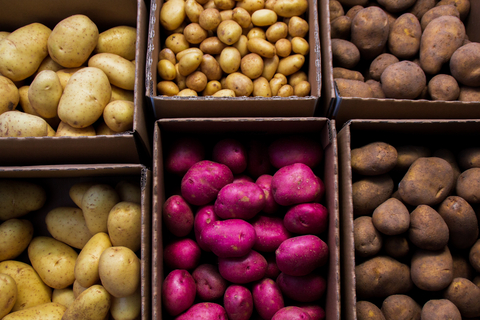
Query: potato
16, 234
264, 17
178, 291
251, 5
443, 87
47, 311
229, 31
370, 31
428, 181
463, 6
277, 31
407, 154
181, 155
367, 310
127, 308
23, 50
93, 303
404, 36
53, 260
10, 95
343, 73
270, 233
438, 11
210, 284
73, 40
397, 247
288, 9
474, 255
120, 71
204, 310
239, 200
129, 191
427, 230
76, 106
380, 63
172, 14
440, 39
238, 302
244, 269
367, 239
464, 294
336, 9
251, 65
420, 7
8, 287
97, 202
432, 270
340, 28
20, 124
222, 237
403, 80
240, 84
369, 192
435, 308
401, 304
77, 191
65, 297
65, 130
306, 218
212, 46
374, 158
194, 33
380, 277
307, 288
466, 185
119, 114
124, 225
19, 198
119, 40
464, 65
65, 74
67, 224
181, 253
203, 216
345, 54
391, 217
353, 88
291, 312
189, 63
86, 266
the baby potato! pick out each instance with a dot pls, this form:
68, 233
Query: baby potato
172, 14
256, 32
289, 8
209, 19
44, 93
97, 202
68, 225
291, 64
119, 40
196, 81
302, 89
193, 9
252, 65
166, 70
167, 54
229, 31
264, 17
230, 60
167, 88
261, 47
16, 234
189, 63
119, 270
124, 225
297, 27
177, 41
77, 191
300, 46
211, 68
211, 88
224, 93
251, 5
120, 71
224, 4
226, 14
261, 87
297, 77
277, 31
86, 266
270, 67
187, 93
240, 84
241, 45
212, 45
93, 303
242, 17
182, 53
118, 115
9, 93
73, 40
23, 51
8, 287
194, 33
285, 91
283, 48
276, 83
47, 311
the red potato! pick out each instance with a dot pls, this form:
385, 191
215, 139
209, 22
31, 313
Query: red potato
242, 178
265, 183
306, 218
177, 216
270, 233
314, 310
291, 313
204, 311
272, 268
183, 253
242, 200
232, 153
295, 149
229, 238
267, 298
202, 182
308, 288
183, 154
178, 291
299, 256
241, 270
295, 184
210, 284
238, 302
204, 215
258, 162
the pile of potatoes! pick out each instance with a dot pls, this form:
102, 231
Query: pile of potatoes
416, 231
71, 80
85, 267
243, 228
228, 48
412, 49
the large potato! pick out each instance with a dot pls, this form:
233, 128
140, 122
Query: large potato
403, 80
288, 8
15, 235
370, 31
85, 96
353, 88
20, 124
368, 240
401, 304
47, 311
44, 93
404, 37
67, 224
239, 200
464, 294
119, 40
374, 158
436, 308
17, 198
73, 40
243, 270
10, 95
124, 225
432, 270
427, 230
97, 202
464, 64
93, 303
369, 192
23, 50
120, 71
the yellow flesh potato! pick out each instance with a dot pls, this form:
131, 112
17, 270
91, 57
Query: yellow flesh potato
19, 124
124, 225
93, 303
120, 71
8, 288
44, 93
15, 235
97, 202
118, 115
9, 93
47, 311
68, 225
120, 40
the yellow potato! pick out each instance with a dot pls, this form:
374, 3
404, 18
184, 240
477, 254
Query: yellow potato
176, 42
242, 17
23, 50
291, 64
252, 65
8, 288
119, 270
86, 266
85, 96
77, 288
65, 297
283, 48
193, 10
103, 129
9, 93
77, 191
47, 311
44, 93
240, 84
290, 8
3, 34
119, 40
24, 102
31, 290
194, 33
93, 303
17, 198
261, 47
302, 89
270, 66
97, 202
67, 224
15, 235
229, 31
300, 46
182, 53
120, 71
53, 260
261, 87
129, 191
127, 308
226, 15
73, 40
285, 91
124, 225
276, 83
166, 70
20, 124
264, 17
187, 93
277, 31
121, 94
230, 59
211, 88
251, 5
65, 130
224, 4
224, 93
256, 32
118, 115
196, 81
65, 74
212, 45
297, 27
180, 79
297, 77
172, 14
189, 63
168, 88
211, 68
167, 54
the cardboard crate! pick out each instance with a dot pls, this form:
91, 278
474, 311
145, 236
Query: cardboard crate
344, 108
129, 147
433, 134
180, 107
57, 180
211, 130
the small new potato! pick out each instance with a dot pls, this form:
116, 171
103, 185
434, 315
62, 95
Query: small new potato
262, 47
119, 40
283, 48
124, 225
172, 14
297, 27
212, 46
68, 225
86, 266
194, 33
10, 95
270, 67
212, 88
77, 191
291, 64
264, 17
277, 31
240, 84
211, 68
210, 18
229, 31
166, 70
189, 63
252, 65
65, 297
168, 88
16, 234
302, 89
261, 88
176, 42
118, 115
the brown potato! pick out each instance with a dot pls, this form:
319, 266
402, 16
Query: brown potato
340, 28
368, 311
462, 267
369, 192
344, 73
345, 54
465, 296
443, 87
440, 308
465, 65
391, 217
463, 6
353, 88
461, 220
432, 270
401, 304
397, 247
196, 81
420, 7
370, 31
367, 239
352, 12
252, 65
374, 158
211, 68
469, 158
469, 94
468, 185
435, 12
336, 9
209, 19
403, 80
240, 84
376, 87
379, 64
474, 256
396, 5
427, 230
404, 36
407, 154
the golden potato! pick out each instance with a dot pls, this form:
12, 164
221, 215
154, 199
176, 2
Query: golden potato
290, 8
127, 308
224, 93
65, 74
172, 14
47, 311
291, 64
270, 67
168, 88
16, 234
240, 84
211, 88
8, 287
68, 225
129, 191
10, 95
93, 303
120, 71
252, 65
261, 47
193, 10
242, 17
283, 48
189, 63
44, 93
118, 115
212, 45
230, 60
121, 94
77, 191
209, 19
124, 225
194, 33
297, 27
187, 93
17, 198
119, 40
251, 5
167, 54
20, 124
65, 297
261, 87
176, 42
211, 68
229, 31
97, 202
166, 70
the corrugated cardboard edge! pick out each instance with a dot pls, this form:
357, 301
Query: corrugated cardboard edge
253, 125
328, 92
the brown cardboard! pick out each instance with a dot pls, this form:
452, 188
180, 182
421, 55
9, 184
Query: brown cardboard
210, 129
57, 180
128, 147
435, 134
177, 107
344, 108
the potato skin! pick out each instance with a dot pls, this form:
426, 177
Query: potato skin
465, 296
345, 54
244, 269
178, 291
401, 304
204, 311
307, 288
16, 234
427, 230
353, 88
403, 80
379, 64
443, 87
432, 270
370, 31
374, 158
467, 185
367, 310
437, 308
239, 200
404, 37
368, 240
238, 302
369, 192
391, 217
465, 66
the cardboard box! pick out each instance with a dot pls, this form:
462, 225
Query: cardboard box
212, 129
57, 180
434, 134
179, 107
128, 147
344, 108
